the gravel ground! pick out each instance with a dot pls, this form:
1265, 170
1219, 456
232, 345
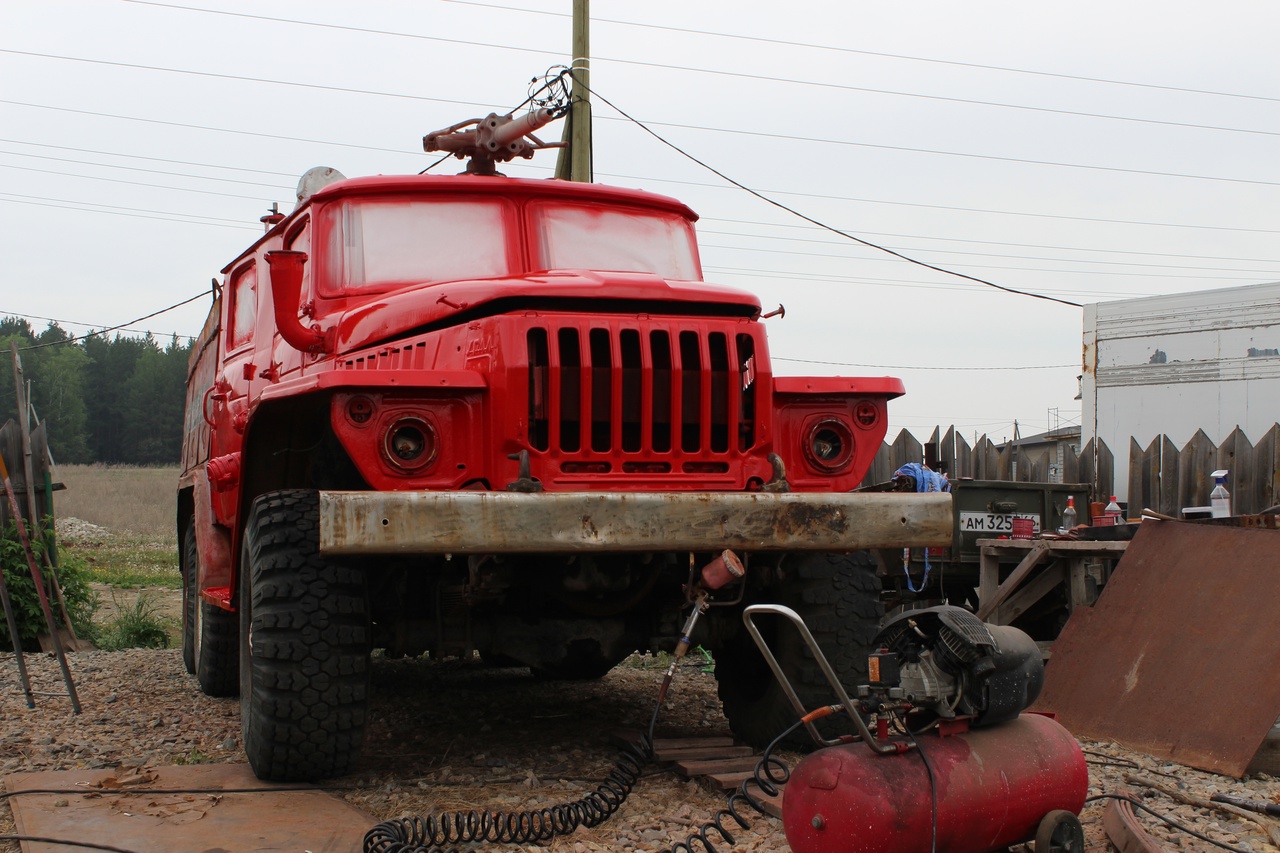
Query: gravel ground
503, 740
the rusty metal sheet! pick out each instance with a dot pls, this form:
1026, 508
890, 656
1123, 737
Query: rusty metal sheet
1178, 657
553, 522
130, 817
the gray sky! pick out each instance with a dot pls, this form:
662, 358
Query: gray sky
1089, 152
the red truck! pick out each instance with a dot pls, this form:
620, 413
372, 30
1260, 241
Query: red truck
461, 415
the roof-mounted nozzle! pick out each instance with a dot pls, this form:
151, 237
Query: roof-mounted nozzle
493, 139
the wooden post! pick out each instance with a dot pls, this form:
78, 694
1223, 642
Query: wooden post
574, 163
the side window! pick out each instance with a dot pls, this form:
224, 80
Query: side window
244, 304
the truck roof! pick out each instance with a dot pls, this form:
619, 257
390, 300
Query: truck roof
479, 185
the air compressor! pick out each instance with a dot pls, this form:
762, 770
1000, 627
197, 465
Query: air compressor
943, 757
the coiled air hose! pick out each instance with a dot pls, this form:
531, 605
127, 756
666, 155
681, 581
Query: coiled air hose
431, 833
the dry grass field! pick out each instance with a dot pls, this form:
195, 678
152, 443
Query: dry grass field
136, 507
124, 499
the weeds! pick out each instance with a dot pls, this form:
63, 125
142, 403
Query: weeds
73, 578
129, 562
136, 626
195, 756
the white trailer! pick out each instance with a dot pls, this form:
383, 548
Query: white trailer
1171, 365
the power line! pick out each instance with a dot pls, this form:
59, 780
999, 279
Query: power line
185, 126
819, 223
958, 240
124, 212
878, 54
143, 157
995, 255
926, 367
94, 325
937, 151
762, 134
713, 71
239, 78
138, 183
116, 328
950, 208
138, 169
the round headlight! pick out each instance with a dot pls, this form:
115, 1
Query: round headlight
828, 447
410, 443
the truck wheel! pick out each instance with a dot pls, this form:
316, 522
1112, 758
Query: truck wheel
304, 645
190, 560
838, 596
210, 647
217, 651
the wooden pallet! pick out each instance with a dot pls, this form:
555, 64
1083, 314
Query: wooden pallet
716, 759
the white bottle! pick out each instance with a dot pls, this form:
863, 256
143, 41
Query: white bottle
1220, 498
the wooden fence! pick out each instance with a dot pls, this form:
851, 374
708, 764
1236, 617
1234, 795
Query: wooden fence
1164, 477
1161, 477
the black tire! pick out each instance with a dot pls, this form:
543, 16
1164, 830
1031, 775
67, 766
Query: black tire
189, 560
1060, 832
838, 597
304, 645
217, 651
210, 641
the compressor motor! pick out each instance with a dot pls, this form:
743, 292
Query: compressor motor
944, 662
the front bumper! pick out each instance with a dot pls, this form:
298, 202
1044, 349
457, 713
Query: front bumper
602, 522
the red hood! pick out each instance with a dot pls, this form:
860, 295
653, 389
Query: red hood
389, 315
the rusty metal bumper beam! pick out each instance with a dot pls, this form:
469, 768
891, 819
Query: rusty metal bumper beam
557, 522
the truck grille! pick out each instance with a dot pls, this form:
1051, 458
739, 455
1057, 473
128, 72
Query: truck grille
649, 398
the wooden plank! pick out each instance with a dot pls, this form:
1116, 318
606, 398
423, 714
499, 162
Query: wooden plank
1032, 591
703, 767
728, 780
624, 737
1029, 562
700, 753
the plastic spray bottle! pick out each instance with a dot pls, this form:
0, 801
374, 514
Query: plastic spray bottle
1220, 498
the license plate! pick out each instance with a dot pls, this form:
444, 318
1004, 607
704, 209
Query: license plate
997, 523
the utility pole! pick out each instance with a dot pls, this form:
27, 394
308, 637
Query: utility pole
574, 163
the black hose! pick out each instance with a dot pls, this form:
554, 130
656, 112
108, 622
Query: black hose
769, 776
431, 833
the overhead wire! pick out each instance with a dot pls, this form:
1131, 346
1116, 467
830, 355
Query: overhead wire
811, 219
704, 128
152, 332
123, 212
115, 328
850, 50
201, 164
712, 71
657, 179
138, 169
956, 240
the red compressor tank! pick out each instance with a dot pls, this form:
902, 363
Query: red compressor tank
993, 786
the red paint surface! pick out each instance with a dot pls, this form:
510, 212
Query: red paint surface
993, 787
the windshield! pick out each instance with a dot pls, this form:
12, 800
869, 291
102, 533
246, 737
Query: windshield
377, 242
593, 238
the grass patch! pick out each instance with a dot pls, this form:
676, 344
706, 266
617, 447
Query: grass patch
136, 626
129, 562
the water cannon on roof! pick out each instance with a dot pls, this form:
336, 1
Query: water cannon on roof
494, 139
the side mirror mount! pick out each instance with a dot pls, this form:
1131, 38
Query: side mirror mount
286, 292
